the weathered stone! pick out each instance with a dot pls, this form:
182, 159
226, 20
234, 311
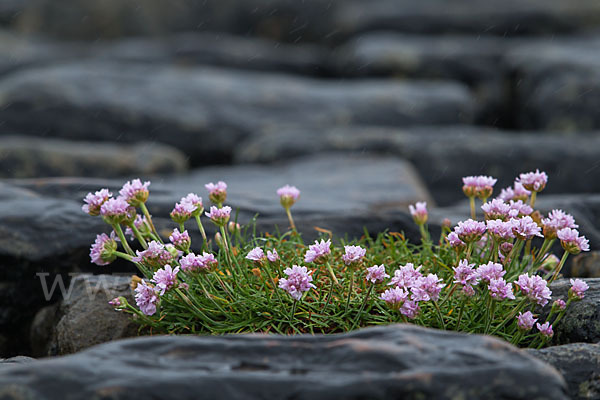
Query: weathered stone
443, 155
18, 360
581, 322
586, 265
84, 318
10, 10
579, 364
220, 49
515, 17
205, 112
556, 84
398, 361
29, 157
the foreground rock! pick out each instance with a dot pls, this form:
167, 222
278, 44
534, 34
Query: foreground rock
579, 363
83, 318
398, 361
443, 155
581, 323
205, 112
29, 157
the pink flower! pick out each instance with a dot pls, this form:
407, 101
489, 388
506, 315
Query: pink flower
272, 255
394, 296
182, 212
135, 192
165, 278
488, 272
219, 216
115, 211
518, 193
500, 230
94, 201
496, 209
406, 276
156, 255
181, 241
578, 288
103, 250
454, 240
465, 275
353, 255
116, 302
298, 281
217, 193
534, 288
376, 273
193, 262
526, 321
256, 254
192, 202
419, 212
525, 228
534, 181
572, 242
410, 309
146, 298
318, 252
559, 304
470, 231
480, 186
500, 289
427, 288
518, 208
288, 195
545, 329
557, 220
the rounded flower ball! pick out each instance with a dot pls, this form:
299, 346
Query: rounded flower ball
288, 195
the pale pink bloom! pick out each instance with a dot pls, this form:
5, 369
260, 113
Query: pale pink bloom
496, 209
115, 207
94, 201
578, 288
181, 240
534, 181
490, 271
535, 288
165, 278
470, 231
298, 281
559, 304
572, 242
376, 273
272, 255
500, 230
406, 276
454, 240
500, 289
419, 212
518, 208
135, 192
192, 202
217, 193
480, 186
146, 298
288, 195
256, 254
427, 288
465, 275
103, 250
525, 228
558, 219
318, 251
353, 254
525, 321
545, 329
516, 193
219, 216
156, 255
394, 296
182, 212
410, 309
193, 262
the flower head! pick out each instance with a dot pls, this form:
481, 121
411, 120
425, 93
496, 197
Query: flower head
297, 282
535, 288
470, 231
545, 330
376, 273
165, 278
419, 212
501, 231
489, 271
288, 195
525, 321
466, 275
219, 216
455, 241
557, 220
496, 209
558, 305
406, 276
577, 290
181, 240
353, 255
534, 181
427, 288
146, 298
572, 242
518, 208
193, 262
135, 192
256, 254
480, 186
182, 212
155, 256
518, 193
318, 252
116, 210
217, 193
193, 202
272, 255
500, 289
410, 309
103, 250
94, 201
525, 228
395, 296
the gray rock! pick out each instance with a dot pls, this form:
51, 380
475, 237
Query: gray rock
586, 265
18, 360
398, 361
581, 322
443, 155
205, 112
579, 364
30, 157
84, 318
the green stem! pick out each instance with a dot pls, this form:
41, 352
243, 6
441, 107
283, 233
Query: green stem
289, 215
362, 307
350, 290
491, 311
533, 196
328, 265
138, 235
181, 227
202, 232
559, 266
460, 312
149, 219
510, 316
472, 204
119, 231
439, 313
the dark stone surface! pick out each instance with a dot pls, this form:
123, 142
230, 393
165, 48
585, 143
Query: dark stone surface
443, 155
83, 318
398, 361
29, 157
205, 112
581, 322
579, 363
13, 361
587, 265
